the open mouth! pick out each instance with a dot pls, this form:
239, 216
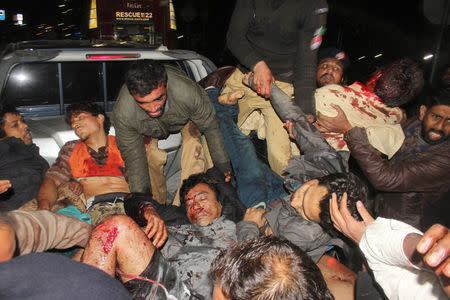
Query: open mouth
326, 77
434, 136
154, 114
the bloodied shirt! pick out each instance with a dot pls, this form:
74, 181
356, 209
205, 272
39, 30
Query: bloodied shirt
192, 248
363, 108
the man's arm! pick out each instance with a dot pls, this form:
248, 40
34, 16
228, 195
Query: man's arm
241, 48
47, 193
237, 41
152, 215
305, 66
252, 224
131, 144
132, 149
389, 245
58, 173
38, 231
419, 173
306, 135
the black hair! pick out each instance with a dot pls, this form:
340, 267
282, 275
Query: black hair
7, 109
400, 82
268, 268
442, 71
438, 97
192, 181
226, 195
92, 108
144, 76
341, 183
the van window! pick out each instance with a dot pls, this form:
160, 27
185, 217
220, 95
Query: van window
115, 78
32, 84
82, 82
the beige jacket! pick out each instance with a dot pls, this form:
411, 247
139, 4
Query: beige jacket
38, 231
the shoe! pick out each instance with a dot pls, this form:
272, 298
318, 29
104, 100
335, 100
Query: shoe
217, 77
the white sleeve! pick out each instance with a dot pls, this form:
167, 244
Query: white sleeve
382, 245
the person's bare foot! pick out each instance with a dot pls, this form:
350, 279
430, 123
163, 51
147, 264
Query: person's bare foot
231, 98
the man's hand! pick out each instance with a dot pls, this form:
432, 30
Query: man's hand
255, 215
344, 221
262, 79
245, 79
4, 186
435, 246
227, 176
76, 187
288, 125
155, 229
339, 124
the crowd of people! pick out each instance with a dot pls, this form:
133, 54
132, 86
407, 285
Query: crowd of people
352, 204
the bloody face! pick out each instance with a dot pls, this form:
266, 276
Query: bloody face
201, 204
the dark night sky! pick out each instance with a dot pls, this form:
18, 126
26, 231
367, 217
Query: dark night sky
361, 28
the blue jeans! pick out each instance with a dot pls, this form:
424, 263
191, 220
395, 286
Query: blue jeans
256, 182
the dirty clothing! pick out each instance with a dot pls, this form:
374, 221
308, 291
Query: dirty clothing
318, 157
287, 224
100, 211
160, 271
23, 166
279, 147
286, 35
194, 159
256, 182
363, 108
414, 186
186, 101
192, 248
99, 172
38, 231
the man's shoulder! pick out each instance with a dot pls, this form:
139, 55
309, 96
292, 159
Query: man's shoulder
68, 147
178, 82
124, 103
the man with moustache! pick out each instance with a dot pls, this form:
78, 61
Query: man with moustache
332, 64
22, 169
414, 184
158, 100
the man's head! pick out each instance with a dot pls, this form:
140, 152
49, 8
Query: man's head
199, 196
332, 63
398, 82
7, 238
146, 81
444, 76
12, 124
267, 268
312, 199
435, 117
87, 119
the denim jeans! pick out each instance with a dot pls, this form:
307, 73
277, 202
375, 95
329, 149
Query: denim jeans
256, 182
